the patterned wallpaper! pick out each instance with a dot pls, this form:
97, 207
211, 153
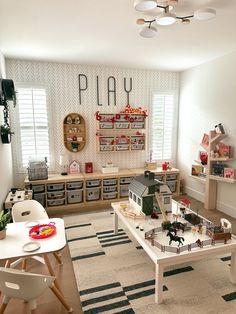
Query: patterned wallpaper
62, 81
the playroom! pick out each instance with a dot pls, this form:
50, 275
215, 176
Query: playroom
117, 157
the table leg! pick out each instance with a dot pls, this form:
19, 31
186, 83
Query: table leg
159, 284
233, 267
51, 272
115, 223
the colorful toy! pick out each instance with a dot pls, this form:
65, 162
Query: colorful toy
42, 231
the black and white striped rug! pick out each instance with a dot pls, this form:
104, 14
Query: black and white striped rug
115, 275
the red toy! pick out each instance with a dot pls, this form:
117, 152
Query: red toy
42, 231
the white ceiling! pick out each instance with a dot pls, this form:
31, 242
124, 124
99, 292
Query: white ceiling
105, 32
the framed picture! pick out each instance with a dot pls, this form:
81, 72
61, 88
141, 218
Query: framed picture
205, 139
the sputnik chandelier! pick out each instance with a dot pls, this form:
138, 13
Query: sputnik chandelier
166, 15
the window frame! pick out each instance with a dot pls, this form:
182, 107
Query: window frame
17, 128
175, 94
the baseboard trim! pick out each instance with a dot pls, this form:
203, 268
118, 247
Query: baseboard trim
221, 206
226, 209
195, 194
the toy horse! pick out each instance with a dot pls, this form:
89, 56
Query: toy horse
178, 225
174, 238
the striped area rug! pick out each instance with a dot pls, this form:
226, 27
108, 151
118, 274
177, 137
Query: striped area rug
115, 275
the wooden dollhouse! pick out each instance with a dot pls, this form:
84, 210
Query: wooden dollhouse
142, 193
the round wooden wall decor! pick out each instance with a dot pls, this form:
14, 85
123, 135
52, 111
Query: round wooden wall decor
74, 132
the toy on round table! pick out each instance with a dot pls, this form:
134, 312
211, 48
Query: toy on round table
42, 231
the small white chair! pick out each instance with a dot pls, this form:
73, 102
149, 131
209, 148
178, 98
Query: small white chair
26, 286
30, 210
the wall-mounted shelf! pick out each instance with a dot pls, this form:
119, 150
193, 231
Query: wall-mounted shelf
121, 132
212, 176
222, 179
215, 171
74, 132
198, 178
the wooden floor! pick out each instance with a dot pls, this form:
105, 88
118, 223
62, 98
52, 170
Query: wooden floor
49, 304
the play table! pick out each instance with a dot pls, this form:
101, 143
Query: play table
164, 259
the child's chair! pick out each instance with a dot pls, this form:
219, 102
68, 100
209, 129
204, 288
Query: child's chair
26, 286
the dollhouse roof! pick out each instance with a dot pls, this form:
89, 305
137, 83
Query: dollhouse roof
141, 183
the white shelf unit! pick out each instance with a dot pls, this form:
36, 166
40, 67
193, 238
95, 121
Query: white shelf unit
88, 190
211, 180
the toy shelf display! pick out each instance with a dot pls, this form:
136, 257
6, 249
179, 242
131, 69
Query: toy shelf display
74, 132
214, 167
86, 190
123, 131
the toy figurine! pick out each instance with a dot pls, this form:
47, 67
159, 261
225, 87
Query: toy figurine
175, 238
69, 120
77, 120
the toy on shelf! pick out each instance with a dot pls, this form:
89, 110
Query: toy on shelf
109, 168
219, 128
203, 156
74, 167
126, 115
166, 166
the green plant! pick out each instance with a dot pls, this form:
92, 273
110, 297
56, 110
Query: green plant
4, 219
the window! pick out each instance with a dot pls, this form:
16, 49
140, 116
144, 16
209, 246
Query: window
33, 121
139, 201
163, 126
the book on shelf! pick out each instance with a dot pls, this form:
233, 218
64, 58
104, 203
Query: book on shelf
197, 170
223, 150
205, 139
229, 173
218, 169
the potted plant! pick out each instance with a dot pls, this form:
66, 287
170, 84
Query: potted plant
4, 220
6, 134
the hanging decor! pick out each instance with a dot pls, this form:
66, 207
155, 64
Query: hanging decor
7, 93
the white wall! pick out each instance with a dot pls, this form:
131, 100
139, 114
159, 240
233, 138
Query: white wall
62, 80
6, 173
207, 97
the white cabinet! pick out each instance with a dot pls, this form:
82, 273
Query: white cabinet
91, 190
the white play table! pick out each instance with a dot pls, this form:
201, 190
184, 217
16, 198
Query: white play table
163, 259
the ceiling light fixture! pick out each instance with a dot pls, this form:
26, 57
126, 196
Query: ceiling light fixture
165, 17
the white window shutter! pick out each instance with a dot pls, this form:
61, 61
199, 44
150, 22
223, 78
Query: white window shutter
163, 126
33, 120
